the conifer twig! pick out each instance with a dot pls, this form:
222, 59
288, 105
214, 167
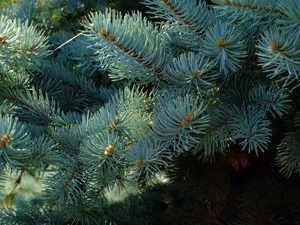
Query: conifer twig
68, 41
17, 182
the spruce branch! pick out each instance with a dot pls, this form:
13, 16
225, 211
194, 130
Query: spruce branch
226, 46
250, 129
147, 157
14, 143
290, 9
22, 45
136, 43
180, 121
260, 6
191, 68
271, 99
288, 154
194, 15
279, 56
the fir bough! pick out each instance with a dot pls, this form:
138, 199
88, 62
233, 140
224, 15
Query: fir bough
115, 99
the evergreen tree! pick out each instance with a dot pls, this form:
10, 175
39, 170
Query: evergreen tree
193, 109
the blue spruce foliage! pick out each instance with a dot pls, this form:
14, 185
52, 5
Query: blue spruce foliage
190, 109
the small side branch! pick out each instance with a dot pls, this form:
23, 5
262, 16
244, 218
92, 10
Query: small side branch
17, 182
252, 7
182, 17
110, 37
